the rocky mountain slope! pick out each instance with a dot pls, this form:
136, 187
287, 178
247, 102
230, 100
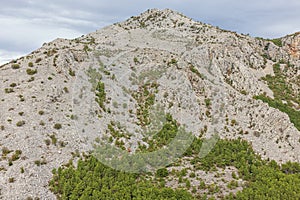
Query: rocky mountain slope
120, 84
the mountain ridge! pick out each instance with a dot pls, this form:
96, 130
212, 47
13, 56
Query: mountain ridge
204, 74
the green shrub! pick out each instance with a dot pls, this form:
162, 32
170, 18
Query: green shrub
163, 172
31, 79
172, 62
207, 102
86, 48
20, 123
100, 94
40, 162
11, 180
16, 155
38, 60
71, 72
31, 71
232, 184
5, 151
73, 117
277, 41
13, 85
66, 90
244, 92
57, 126
22, 98
8, 90
47, 142
53, 139
195, 71
15, 66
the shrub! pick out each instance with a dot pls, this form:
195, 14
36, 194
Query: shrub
57, 126
244, 92
66, 90
40, 162
15, 66
232, 184
11, 180
16, 155
100, 95
13, 85
31, 71
62, 143
30, 64
8, 90
86, 48
53, 139
163, 172
42, 123
38, 60
48, 142
233, 122
71, 72
21, 98
207, 102
5, 151
277, 42
193, 175
73, 117
31, 79
195, 71
37, 162
20, 123
172, 62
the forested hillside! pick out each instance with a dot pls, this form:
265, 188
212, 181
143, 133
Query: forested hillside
90, 179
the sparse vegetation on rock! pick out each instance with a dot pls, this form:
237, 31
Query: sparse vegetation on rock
134, 85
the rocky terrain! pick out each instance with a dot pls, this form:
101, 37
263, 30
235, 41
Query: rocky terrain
119, 84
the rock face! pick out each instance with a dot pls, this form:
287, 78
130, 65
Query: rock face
292, 45
203, 76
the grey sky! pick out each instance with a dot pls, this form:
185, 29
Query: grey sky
27, 24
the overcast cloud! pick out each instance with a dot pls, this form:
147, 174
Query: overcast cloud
27, 24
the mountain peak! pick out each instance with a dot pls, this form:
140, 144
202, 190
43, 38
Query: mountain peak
159, 68
158, 18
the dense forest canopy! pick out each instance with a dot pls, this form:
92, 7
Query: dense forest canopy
264, 179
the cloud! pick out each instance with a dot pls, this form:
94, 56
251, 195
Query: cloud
24, 34
27, 24
6, 56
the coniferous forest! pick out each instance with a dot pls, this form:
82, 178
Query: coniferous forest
90, 179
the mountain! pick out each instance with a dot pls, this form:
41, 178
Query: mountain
123, 84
